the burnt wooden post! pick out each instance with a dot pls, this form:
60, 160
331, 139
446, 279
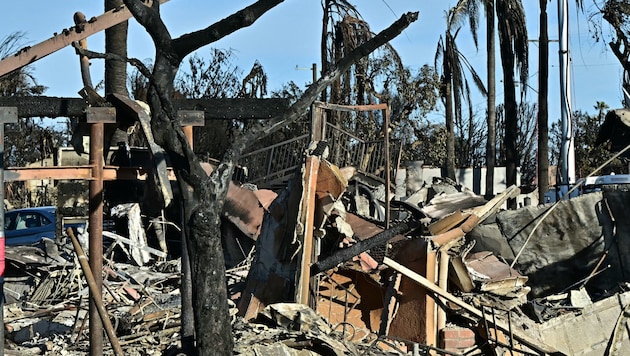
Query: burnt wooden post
7, 115
97, 117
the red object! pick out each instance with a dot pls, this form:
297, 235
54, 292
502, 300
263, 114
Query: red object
2, 254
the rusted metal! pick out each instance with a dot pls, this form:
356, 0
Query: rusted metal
106, 115
95, 290
96, 235
388, 169
31, 54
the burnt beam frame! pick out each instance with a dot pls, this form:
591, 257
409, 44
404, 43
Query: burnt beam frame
213, 109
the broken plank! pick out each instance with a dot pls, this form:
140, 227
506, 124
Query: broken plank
133, 244
448, 222
518, 334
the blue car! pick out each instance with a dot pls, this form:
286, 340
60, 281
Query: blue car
29, 225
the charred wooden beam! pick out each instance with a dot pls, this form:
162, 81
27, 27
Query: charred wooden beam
214, 109
45, 106
235, 108
347, 254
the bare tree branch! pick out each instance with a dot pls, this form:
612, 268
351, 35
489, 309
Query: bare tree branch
190, 42
149, 17
300, 106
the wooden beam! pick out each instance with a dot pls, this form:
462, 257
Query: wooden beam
214, 109
304, 230
67, 36
14, 174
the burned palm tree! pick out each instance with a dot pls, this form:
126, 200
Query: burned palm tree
379, 78
514, 51
455, 89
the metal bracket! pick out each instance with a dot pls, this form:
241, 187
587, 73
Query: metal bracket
105, 115
191, 117
8, 114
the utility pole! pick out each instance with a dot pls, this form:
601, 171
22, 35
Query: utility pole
567, 151
543, 107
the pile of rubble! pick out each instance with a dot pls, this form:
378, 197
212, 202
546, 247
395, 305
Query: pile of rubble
327, 266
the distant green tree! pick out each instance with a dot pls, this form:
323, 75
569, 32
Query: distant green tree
587, 155
526, 143
430, 143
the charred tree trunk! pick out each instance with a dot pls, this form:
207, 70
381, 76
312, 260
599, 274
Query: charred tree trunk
449, 163
203, 196
511, 118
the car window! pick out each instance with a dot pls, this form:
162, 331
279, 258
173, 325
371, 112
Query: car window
10, 221
29, 220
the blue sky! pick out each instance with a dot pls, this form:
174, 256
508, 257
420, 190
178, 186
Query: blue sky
288, 37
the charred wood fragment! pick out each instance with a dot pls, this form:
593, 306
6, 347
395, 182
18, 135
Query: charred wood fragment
361, 246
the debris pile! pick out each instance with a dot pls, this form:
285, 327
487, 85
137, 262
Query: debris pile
328, 266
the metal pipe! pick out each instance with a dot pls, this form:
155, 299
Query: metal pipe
96, 236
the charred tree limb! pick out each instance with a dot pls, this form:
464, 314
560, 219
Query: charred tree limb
190, 42
347, 254
313, 91
112, 56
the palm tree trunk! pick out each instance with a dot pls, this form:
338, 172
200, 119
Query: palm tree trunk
543, 113
449, 165
491, 153
116, 42
511, 112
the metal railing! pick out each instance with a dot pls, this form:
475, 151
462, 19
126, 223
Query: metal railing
272, 165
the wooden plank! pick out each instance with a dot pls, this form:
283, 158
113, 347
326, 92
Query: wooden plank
304, 229
350, 108
448, 222
38, 51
